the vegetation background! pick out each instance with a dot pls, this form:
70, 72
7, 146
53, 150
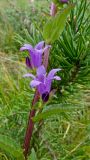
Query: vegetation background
66, 135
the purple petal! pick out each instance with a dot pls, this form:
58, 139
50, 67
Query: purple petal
40, 51
57, 78
52, 73
48, 85
36, 57
45, 87
35, 83
42, 88
29, 75
41, 71
40, 45
26, 47
28, 62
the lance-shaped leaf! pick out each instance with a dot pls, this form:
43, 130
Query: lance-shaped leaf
58, 110
50, 113
55, 25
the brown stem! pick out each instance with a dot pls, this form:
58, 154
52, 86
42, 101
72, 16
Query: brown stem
30, 126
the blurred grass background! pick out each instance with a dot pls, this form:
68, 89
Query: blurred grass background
65, 136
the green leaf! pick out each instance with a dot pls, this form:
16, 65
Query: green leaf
57, 110
50, 113
33, 155
55, 25
8, 145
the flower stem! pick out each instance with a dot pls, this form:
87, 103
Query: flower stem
30, 126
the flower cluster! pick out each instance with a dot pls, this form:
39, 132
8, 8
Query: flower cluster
41, 80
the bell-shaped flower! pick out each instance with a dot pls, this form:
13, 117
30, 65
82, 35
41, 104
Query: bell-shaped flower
34, 60
42, 81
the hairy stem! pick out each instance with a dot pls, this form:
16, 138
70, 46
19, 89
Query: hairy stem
30, 126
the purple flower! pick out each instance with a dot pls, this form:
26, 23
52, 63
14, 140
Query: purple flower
42, 81
63, 1
53, 9
28, 62
34, 60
